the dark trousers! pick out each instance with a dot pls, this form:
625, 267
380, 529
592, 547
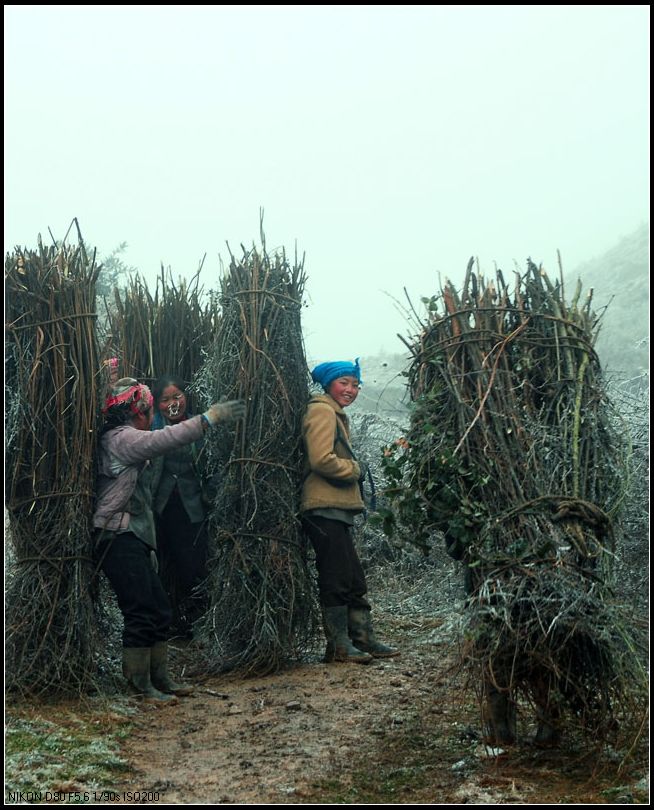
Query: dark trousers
182, 552
341, 580
141, 598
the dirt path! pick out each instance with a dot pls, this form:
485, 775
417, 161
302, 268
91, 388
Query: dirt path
400, 731
396, 731
284, 738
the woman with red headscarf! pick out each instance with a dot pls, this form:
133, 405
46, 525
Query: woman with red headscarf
124, 523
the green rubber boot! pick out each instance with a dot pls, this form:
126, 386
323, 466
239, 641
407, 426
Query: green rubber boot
160, 675
500, 721
339, 646
363, 636
136, 669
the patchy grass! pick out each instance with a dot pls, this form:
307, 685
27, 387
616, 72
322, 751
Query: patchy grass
64, 747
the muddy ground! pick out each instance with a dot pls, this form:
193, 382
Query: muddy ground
400, 731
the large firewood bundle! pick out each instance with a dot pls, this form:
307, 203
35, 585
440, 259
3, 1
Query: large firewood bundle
516, 455
261, 594
52, 391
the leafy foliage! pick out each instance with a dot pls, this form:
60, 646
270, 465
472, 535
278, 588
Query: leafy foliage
515, 455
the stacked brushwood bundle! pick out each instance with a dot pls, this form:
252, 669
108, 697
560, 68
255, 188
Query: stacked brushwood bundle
515, 455
262, 611
167, 333
52, 421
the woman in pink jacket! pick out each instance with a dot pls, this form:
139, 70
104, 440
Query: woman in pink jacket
124, 523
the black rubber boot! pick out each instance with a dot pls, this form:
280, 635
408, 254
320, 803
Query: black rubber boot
547, 736
363, 636
339, 646
136, 669
500, 725
159, 672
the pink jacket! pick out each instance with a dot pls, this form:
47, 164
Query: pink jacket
124, 454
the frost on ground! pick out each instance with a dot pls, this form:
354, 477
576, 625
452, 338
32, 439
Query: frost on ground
403, 730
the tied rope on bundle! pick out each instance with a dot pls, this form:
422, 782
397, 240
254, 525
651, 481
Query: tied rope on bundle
515, 454
262, 603
52, 418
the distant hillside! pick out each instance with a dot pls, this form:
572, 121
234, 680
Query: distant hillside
620, 282
384, 387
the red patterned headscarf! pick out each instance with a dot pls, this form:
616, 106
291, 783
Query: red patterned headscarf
129, 393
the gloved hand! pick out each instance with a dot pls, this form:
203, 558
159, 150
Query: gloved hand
229, 411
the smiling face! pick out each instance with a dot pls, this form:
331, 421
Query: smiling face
172, 404
344, 390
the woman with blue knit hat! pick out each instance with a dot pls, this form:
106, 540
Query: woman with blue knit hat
331, 498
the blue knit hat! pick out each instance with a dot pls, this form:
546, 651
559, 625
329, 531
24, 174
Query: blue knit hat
326, 373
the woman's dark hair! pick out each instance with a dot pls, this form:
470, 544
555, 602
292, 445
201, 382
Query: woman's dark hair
115, 417
163, 382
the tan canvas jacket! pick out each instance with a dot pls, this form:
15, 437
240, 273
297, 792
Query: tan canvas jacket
332, 474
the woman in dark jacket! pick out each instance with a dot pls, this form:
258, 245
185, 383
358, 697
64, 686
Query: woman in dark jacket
179, 510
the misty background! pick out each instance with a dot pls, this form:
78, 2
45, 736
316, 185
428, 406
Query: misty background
387, 143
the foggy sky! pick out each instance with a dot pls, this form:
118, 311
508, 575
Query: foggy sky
388, 143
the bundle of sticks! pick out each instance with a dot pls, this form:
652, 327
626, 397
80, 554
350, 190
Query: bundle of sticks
516, 454
165, 333
52, 388
262, 605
